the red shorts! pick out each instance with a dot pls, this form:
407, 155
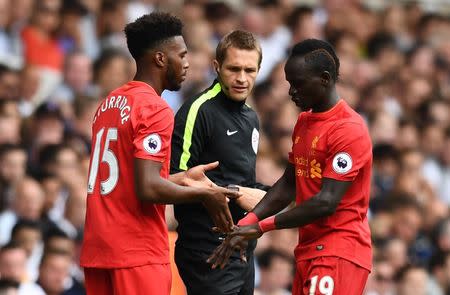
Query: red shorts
329, 275
146, 279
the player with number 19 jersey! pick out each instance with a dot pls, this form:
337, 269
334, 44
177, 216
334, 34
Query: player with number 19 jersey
334, 144
334, 254
121, 231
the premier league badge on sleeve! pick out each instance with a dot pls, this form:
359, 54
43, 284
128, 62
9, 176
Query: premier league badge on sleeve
342, 163
152, 143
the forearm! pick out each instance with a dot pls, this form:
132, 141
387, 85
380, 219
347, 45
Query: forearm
165, 191
276, 199
250, 197
319, 206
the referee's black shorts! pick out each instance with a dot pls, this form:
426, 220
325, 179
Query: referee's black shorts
237, 278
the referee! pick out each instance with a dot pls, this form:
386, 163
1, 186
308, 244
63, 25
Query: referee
217, 125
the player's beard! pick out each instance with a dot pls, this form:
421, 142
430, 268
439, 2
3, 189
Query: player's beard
173, 83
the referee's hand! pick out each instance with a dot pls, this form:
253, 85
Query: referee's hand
216, 203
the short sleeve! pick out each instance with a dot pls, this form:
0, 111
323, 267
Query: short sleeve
152, 132
294, 139
349, 149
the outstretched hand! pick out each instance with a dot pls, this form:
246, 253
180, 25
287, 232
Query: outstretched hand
196, 176
215, 198
237, 240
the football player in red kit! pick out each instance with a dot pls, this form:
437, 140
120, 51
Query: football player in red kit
329, 172
125, 247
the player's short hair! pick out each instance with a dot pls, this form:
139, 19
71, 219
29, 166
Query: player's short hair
239, 39
319, 56
151, 30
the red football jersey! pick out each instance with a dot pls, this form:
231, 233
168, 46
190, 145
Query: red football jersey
120, 230
334, 144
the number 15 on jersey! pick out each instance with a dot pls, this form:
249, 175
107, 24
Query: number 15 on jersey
107, 156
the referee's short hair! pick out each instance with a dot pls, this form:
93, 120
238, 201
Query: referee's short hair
239, 39
319, 56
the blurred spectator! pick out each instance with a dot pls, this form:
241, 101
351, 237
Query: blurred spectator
221, 17
407, 217
13, 160
28, 235
441, 235
27, 203
410, 179
39, 36
276, 270
57, 240
9, 287
440, 272
54, 276
30, 78
304, 25
412, 280
137, 8
78, 76
381, 280
383, 127
61, 165
84, 108
385, 169
88, 28
274, 40
72, 12
9, 83
13, 267
408, 135
112, 19
48, 128
395, 251
111, 70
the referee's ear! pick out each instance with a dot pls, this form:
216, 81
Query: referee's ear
216, 66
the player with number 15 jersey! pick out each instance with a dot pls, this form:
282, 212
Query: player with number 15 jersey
126, 127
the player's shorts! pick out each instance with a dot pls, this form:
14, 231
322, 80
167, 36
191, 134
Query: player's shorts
329, 275
237, 278
147, 279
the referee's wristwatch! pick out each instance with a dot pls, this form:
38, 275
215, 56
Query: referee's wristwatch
233, 187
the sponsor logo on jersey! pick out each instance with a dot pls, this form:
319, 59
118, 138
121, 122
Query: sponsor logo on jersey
229, 133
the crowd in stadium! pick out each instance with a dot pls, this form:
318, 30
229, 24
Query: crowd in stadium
59, 58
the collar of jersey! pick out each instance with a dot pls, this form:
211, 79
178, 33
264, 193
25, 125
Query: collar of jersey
327, 114
140, 83
228, 102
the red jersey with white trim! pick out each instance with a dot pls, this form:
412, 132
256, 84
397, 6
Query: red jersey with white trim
120, 230
334, 144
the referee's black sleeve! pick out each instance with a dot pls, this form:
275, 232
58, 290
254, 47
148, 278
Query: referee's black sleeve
188, 138
262, 186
